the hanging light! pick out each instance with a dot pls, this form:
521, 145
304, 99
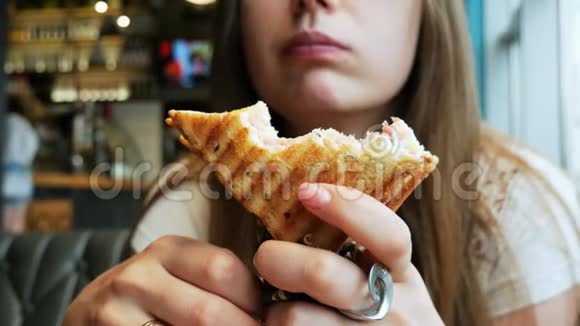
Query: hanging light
101, 7
123, 21
201, 2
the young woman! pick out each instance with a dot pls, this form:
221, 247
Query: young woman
495, 247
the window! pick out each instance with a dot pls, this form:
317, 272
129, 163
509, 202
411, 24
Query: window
523, 91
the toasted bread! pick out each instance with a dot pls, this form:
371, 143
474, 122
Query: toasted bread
263, 171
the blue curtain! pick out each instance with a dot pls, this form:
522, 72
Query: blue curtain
476, 27
3, 46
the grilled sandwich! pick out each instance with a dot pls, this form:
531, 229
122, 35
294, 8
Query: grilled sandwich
263, 171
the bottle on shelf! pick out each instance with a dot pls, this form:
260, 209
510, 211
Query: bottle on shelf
83, 151
102, 150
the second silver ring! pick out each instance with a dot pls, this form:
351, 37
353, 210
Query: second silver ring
381, 289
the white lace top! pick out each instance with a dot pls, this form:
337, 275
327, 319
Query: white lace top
533, 253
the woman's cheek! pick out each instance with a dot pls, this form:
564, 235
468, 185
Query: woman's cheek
258, 60
389, 59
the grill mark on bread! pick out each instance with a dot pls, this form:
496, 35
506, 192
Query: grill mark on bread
228, 156
290, 155
215, 137
295, 226
229, 149
302, 219
201, 123
184, 139
406, 190
415, 175
255, 154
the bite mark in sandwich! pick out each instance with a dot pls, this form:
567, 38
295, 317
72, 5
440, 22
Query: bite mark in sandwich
264, 171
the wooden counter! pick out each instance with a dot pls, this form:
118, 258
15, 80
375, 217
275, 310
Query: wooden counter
52, 180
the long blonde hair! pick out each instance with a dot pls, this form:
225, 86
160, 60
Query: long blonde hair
440, 103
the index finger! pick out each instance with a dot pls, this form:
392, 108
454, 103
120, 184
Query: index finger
365, 219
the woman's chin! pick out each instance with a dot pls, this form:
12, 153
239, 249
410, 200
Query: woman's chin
321, 93
328, 101
316, 97
329, 91
314, 103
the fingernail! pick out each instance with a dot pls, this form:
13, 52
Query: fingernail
314, 196
254, 268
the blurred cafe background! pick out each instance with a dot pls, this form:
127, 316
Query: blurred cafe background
85, 85
94, 80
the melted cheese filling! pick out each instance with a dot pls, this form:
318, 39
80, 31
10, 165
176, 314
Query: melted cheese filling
397, 140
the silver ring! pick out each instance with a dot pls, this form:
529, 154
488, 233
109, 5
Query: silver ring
153, 322
381, 289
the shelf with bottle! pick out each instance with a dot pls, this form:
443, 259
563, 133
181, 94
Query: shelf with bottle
37, 33
57, 59
113, 53
103, 90
70, 32
53, 10
59, 14
59, 28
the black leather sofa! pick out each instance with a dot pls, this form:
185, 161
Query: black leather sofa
40, 274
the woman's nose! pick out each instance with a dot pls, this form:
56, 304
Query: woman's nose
312, 6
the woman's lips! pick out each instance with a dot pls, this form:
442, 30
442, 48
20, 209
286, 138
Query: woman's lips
313, 45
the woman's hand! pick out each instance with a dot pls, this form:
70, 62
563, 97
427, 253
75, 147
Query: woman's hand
337, 282
175, 280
